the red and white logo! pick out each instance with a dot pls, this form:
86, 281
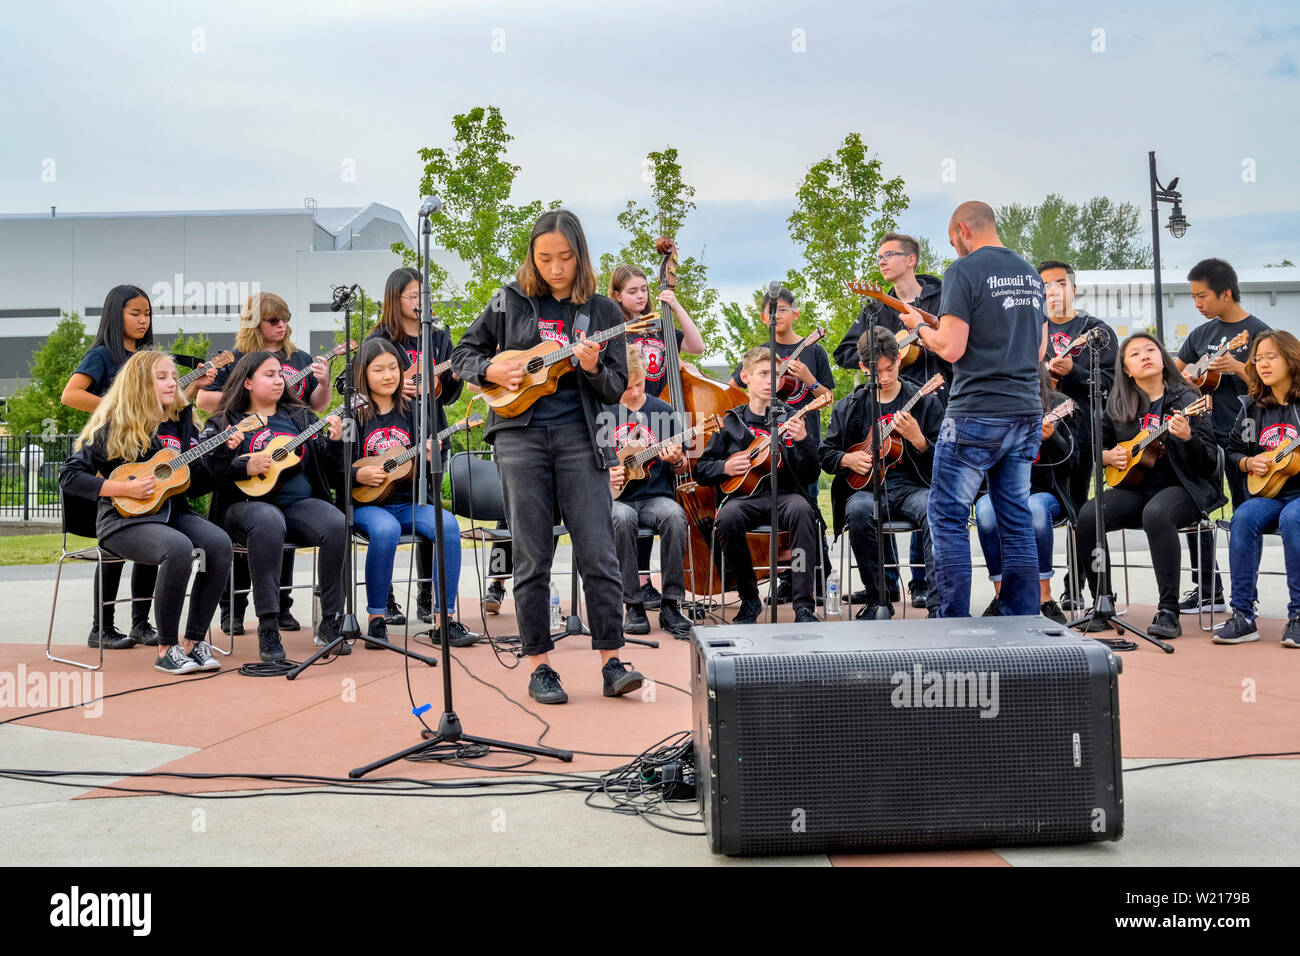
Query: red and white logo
301, 387
762, 433
382, 439
1275, 436
632, 432
1060, 342
552, 329
653, 350
262, 438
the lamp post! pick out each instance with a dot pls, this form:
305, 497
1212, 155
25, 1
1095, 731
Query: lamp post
1177, 228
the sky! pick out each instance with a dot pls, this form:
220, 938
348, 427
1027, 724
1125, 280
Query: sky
143, 105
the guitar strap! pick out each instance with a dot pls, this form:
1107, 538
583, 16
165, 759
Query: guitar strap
581, 323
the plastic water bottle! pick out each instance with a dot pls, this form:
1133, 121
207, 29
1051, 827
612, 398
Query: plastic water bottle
556, 623
833, 593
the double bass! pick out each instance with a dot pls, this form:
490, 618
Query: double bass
694, 396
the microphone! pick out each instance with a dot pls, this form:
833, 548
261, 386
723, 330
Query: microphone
342, 296
773, 289
429, 205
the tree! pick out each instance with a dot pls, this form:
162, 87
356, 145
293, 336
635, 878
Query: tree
194, 346
1284, 264
1099, 234
36, 406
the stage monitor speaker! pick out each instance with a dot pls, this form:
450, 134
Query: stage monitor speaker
887, 735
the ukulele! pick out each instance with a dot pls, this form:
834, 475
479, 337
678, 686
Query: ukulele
1202, 377
760, 454
220, 360
891, 446
284, 453
543, 366
1066, 407
396, 462
170, 470
413, 374
1283, 462
788, 384
1138, 463
634, 456
1072, 350
291, 381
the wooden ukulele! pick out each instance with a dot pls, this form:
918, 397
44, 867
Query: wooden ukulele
396, 462
635, 456
284, 453
220, 360
1138, 462
544, 364
788, 384
1071, 350
170, 470
1283, 462
1066, 407
760, 454
292, 380
413, 374
891, 446
1202, 377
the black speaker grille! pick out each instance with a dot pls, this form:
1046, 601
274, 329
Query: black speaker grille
831, 752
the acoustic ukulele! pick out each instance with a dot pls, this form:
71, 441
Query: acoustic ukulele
1283, 462
1139, 462
283, 450
788, 384
760, 454
1202, 377
396, 462
891, 446
634, 456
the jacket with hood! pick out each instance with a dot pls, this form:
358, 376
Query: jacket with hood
877, 313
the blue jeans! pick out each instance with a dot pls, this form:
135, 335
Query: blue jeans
382, 526
968, 450
1046, 509
1250, 521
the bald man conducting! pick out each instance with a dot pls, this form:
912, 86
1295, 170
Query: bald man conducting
993, 330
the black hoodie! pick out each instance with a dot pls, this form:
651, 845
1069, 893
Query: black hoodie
877, 313
740, 427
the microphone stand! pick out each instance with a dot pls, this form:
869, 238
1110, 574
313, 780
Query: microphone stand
1104, 603
773, 406
450, 734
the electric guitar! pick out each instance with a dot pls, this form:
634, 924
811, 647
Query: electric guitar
634, 456
544, 364
396, 462
1138, 461
170, 470
220, 360
292, 380
891, 446
284, 453
760, 454
1283, 462
788, 384
1201, 376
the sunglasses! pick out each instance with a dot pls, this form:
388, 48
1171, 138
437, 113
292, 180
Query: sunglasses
276, 320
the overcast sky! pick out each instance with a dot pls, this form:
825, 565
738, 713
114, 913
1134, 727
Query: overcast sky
172, 105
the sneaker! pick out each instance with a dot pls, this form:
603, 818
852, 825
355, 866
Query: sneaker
805, 615
636, 621
143, 633
233, 627
896, 595
750, 608
288, 622
328, 631
620, 678
202, 655
860, 597
1067, 604
1050, 609
919, 590
784, 592
1194, 603
671, 621
1291, 635
268, 641
544, 686
994, 609
492, 598
393, 615
424, 607
651, 599
112, 639
868, 612
1165, 624
175, 661
458, 635
1236, 630
377, 629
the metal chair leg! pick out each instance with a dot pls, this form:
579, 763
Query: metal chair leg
49, 636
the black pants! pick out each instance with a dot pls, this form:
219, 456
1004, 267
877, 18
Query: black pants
901, 503
1160, 515
538, 464
243, 582
797, 516
171, 547
263, 528
143, 578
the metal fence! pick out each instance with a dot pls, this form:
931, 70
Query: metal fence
29, 475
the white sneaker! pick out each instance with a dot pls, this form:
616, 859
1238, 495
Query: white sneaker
175, 661
202, 655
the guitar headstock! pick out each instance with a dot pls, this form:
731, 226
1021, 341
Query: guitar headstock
222, 359
865, 288
339, 349
359, 401
819, 402
1063, 410
1198, 407
252, 423
643, 323
933, 385
668, 267
1238, 340
816, 335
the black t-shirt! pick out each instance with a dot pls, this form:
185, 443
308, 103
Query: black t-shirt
814, 356
296, 362
1226, 400
653, 422
1000, 298
564, 407
653, 350
100, 367
294, 484
1277, 427
1161, 474
382, 432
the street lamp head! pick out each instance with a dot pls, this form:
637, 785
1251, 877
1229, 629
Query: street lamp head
1178, 222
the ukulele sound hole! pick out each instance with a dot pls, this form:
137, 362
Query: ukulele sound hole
162, 472
534, 366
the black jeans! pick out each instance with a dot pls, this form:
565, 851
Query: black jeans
797, 516
171, 547
539, 464
263, 528
665, 516
1160, 516
900, 504
143, 578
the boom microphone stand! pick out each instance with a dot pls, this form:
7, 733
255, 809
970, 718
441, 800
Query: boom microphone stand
1104, 604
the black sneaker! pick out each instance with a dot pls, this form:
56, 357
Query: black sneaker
994, 609
393, 615
112, 639
268, 641
1193, 602
202, 655
620, 678
424, 607
805, 615
920, 590
377, 629
1236, 630
671, 621
1050, 609
328, 631
492, 598
636, 621
860, 597
784, 592
234, 627
896, 595
868, 612
458, 635
651, 599
175, 661
1165, 624
750, 609
288, 622
1067, 604
1291, 635
143, 633
544, 686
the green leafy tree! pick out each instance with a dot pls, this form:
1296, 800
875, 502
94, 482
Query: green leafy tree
194, 346
1284, 264
1097, 234
36, 407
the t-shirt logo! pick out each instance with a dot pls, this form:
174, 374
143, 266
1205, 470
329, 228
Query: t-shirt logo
411, 355
1275, 436
382, 439
1060, 342
552, 329
762, 433
631, 432
262, 438
653, 350
172, 442
301, 387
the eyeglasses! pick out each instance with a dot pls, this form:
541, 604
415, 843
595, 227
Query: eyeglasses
885, 256
276, 320
411, 298
1266, 359
784, 310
